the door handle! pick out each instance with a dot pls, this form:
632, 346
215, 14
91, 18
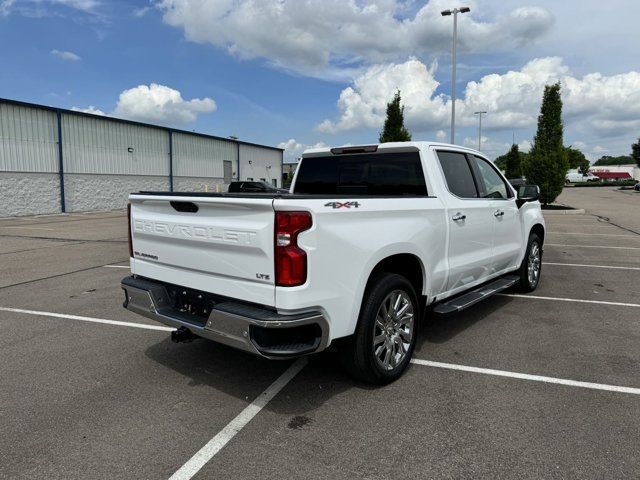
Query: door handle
458, 217
498, 213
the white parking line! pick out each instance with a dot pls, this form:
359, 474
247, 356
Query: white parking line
592, 234
577, 300
206, 453
590, 266
526, 376
87, 319
116, 266
223, 437
218, 442
566, 222
29, 228
589, 246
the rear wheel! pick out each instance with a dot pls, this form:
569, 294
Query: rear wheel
531, 266
385, 338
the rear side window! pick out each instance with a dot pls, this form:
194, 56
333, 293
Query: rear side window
457, 173
362, 174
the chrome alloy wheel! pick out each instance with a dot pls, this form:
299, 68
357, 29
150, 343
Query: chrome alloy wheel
533, 264
394, 329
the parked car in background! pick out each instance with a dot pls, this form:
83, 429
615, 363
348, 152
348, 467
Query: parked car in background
368, 237
517, 182
254, 187
577, 177
636, 187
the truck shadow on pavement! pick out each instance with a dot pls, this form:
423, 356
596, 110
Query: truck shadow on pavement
437, 329
245, 376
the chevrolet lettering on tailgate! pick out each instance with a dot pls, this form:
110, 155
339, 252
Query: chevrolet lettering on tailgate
245, 237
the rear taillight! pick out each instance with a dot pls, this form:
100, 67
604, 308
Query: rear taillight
290, 260
129, 230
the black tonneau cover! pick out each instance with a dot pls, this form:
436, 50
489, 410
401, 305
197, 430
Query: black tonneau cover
274, 195
214, 194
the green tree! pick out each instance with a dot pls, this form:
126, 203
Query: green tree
547, 164
512, 167
607, 160
501, 162
394, 130
635, 152
577, 159
287, 179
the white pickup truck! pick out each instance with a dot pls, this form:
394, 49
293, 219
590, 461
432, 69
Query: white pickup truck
366, 239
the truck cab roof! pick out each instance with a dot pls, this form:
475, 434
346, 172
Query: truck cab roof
388, 147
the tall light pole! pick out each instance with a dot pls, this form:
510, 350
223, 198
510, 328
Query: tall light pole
479, 127
446, 13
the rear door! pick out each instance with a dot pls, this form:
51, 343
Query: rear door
227, 171
471, 222
218, 244
507, 232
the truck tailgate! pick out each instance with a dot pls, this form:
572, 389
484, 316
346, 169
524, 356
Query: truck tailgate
223, 245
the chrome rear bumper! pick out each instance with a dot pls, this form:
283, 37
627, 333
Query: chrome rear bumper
253, 329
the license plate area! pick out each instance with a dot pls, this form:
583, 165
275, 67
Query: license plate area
191, 302
188, 304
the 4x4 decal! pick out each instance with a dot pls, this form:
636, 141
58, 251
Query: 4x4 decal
342, 204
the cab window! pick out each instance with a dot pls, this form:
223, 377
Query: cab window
490, 183
384, 174
458, 175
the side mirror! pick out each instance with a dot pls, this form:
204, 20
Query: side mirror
527, 193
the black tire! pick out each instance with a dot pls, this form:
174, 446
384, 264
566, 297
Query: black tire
358, 353
528, 283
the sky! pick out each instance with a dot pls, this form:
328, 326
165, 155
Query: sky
306, 73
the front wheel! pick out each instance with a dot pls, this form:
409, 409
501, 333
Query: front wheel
531, 265
381, 348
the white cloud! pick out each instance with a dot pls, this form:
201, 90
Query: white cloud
472, 142
155, 104
141, 12
5, 7
364, 103
441, 135
490, 146
316, 36
593, 150
40, 8
160, 104
293, 149
84, 5
599, 149
594, 104
66, 55
493, 147
524, 146
512, 99
90, 109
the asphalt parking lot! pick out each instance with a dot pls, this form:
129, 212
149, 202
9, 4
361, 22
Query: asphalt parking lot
543, 385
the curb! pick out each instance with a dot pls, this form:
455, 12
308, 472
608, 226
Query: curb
577, 211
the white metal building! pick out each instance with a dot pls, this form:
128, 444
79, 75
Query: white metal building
55, 160
631, 169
